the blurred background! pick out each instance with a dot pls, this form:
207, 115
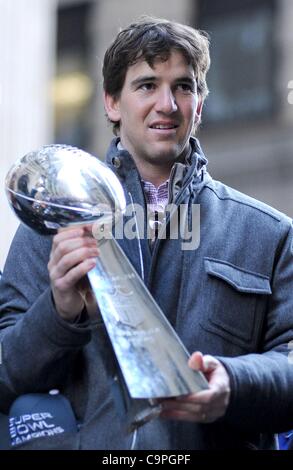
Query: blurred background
50, 86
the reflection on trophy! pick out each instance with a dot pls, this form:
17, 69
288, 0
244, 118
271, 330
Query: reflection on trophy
59, 186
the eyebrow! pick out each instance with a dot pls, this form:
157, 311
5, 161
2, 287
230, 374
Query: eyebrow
143, 79
152, 78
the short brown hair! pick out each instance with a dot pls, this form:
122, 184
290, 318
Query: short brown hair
152, 39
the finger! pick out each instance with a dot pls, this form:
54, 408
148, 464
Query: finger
204, 363
88, 228
67, 233
180, 415
204, 397
91, 305
64, 236
210, 363
66, 246
214, 410
195, 361
74, 275
192, 407
174, 405
71, 260
82, 226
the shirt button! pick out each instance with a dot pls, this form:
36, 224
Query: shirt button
116, 162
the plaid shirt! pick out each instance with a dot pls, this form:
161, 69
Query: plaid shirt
157, 199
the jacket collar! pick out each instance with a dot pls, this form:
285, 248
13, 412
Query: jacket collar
121, 162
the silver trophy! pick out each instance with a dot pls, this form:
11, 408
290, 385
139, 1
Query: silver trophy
58, 186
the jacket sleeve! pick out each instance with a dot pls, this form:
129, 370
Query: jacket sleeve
262, 383
36, 344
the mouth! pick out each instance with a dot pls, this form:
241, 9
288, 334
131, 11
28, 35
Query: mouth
164, 128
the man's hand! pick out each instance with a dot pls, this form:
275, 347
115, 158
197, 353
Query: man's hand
205, 406
73, 255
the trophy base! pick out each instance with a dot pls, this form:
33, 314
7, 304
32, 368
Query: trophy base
134, 411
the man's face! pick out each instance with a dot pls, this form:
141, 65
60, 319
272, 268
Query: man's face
157, 109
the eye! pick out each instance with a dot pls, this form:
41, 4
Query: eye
148, 86
185, 87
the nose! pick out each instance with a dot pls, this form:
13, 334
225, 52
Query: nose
166, 102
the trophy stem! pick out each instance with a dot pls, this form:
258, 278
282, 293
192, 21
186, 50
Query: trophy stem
152, 359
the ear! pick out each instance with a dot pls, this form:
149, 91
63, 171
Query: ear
112, 107
197, 117
199, 109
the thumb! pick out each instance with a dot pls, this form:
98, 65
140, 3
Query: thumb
196, 361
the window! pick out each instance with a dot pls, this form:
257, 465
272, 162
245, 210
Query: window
73, 86
241, 78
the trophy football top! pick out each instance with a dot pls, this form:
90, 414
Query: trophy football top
60, 185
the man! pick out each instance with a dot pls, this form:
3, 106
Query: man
230, 300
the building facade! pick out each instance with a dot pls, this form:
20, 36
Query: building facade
51, 87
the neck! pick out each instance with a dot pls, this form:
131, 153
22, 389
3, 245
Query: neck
154, 174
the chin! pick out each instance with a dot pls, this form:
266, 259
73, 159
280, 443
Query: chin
170, 152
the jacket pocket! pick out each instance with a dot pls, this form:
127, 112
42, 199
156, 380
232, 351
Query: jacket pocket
237, 296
